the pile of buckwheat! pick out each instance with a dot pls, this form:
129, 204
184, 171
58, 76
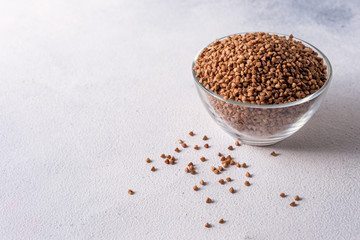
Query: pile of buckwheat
260, 68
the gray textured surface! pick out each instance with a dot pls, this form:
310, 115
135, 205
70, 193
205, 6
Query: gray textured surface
89, 89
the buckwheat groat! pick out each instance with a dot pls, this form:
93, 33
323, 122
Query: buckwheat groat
260, 68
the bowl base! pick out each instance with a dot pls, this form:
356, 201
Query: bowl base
257, 141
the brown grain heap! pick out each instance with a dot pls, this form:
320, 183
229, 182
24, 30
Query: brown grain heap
260, 68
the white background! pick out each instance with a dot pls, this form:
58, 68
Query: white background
90, 89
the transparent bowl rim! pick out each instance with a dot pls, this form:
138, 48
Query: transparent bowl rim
282, 105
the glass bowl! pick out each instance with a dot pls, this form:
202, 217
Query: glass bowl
262, 125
